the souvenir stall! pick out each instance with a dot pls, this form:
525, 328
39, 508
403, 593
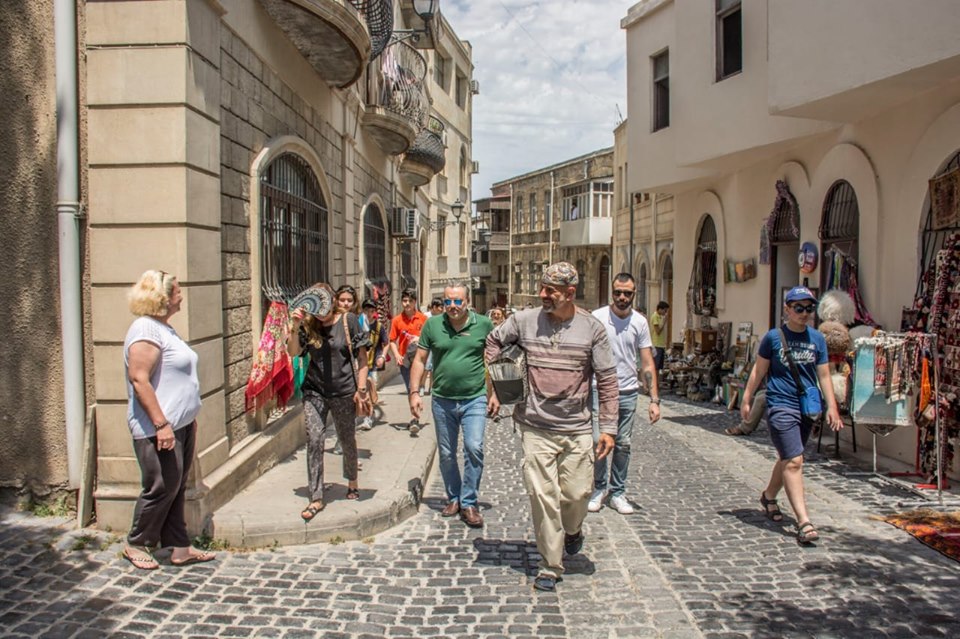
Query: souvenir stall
896, 384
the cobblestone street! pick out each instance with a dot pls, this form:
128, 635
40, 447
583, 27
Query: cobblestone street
697, 559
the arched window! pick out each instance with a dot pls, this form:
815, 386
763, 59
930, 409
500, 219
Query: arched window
294, 243
641, 298
581, 278
935, 231
839, 227
374, 245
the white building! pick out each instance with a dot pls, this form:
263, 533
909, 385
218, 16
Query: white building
852, 106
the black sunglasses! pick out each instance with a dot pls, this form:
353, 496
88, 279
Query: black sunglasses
619, 292
800, 308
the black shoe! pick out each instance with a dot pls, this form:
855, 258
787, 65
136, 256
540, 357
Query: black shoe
546, 583
573, 544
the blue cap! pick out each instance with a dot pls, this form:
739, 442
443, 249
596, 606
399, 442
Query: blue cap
798, 294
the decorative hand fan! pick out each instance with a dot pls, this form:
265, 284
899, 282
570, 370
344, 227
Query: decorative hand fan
316, 300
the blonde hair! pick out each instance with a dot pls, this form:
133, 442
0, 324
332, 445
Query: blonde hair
151, 294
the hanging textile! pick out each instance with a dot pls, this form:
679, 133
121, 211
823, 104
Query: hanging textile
271, 375
945, 200
765, 252
870, 404
842, 275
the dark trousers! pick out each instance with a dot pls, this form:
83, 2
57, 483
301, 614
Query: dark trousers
158, 516
315, 410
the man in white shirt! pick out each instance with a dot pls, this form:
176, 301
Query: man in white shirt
629, 336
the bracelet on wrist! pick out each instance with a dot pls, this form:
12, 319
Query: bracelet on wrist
161, 425
414, 392
655, 401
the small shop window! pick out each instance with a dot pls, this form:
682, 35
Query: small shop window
661, 91
294, 241
729, 38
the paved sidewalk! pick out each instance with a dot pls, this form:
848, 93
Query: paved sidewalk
698, 559
394, 468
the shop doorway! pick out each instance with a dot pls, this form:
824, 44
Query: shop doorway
784, 248
666, 289
603, 275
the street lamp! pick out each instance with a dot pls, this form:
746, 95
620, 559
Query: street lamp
456, 209
426, 9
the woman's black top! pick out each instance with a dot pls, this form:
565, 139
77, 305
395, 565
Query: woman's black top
330, 373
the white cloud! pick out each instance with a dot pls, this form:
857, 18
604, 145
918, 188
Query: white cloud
551, 74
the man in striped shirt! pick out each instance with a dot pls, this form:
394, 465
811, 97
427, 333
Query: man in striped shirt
565, 346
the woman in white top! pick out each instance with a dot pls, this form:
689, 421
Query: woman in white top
163, 393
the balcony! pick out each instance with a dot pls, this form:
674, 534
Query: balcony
499, 241
426, 157
337, 37
479, 270
396, 97
588, 231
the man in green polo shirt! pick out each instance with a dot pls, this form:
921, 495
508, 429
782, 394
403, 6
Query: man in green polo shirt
456, 341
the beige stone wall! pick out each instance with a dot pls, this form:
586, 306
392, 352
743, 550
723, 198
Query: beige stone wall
32, 436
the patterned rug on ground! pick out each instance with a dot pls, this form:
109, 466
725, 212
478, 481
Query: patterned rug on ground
940, 531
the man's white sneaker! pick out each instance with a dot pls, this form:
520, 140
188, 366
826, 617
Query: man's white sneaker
596, 501
620, 504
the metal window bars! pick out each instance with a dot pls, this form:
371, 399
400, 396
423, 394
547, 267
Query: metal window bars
294, 242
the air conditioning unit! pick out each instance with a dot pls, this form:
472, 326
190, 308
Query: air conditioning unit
405, 224
475, 87
474, 167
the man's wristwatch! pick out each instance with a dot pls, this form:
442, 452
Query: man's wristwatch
655, 400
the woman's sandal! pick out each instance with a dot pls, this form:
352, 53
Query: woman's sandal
734, 430
140, 558
774, 514
353, 493
311, 511
806, 533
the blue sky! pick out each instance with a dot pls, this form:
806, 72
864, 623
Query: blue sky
551, 74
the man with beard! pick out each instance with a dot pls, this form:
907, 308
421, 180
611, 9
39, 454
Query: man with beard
565, 347
629, 337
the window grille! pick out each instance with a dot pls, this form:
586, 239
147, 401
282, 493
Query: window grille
581, 278
374, 245
294, 244
839, 226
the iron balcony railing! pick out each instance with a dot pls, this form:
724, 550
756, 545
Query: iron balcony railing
379, 17
395, 83
428, 148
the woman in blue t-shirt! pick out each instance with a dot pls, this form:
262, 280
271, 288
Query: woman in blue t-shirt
789, 430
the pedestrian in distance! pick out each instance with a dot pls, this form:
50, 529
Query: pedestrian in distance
496, 316
792, 358
404, 335
436, 308
347, 301
565, 347
334, 384
379, 337
629, 337
658, 334
163, 401
461, 402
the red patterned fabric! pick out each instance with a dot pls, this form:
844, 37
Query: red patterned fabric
272, 373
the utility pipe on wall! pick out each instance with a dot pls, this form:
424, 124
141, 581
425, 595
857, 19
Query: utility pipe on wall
68, 221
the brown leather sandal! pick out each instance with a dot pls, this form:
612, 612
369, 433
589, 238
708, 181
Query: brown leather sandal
311, 511
773, 514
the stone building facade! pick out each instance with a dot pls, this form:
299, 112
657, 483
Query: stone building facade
562, 212
222, 145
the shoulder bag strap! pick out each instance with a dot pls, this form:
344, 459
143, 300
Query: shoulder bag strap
353, 360
793, 365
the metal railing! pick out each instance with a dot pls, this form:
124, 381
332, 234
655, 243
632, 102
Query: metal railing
428, 147
395, 83
379, 17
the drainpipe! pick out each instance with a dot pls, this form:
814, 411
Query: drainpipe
510, 275
68, 220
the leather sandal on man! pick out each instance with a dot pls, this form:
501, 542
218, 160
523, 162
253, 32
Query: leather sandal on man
546, 583
472, 517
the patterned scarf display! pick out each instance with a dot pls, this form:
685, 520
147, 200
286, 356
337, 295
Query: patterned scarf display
271, 375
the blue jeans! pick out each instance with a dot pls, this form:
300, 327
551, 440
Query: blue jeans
405, 376
621, 449
450, 416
